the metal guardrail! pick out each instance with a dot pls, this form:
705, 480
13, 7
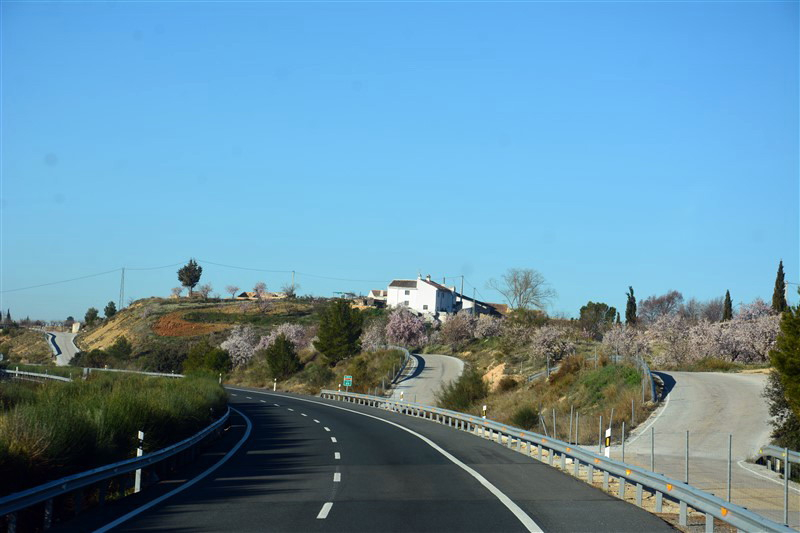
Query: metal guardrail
646, 370
661, 486
92, 369
779, 453
406, 359
47, 491
18, 373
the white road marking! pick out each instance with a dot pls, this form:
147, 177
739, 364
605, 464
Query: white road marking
323, 513
290, 409
303, 414
337, 477
152, 503
276, 405
248, 397
263, 401
327, 429
742, 465
515, 509
337, 455
653, 421
232, 394
317, 421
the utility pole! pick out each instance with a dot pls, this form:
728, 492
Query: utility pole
462, 291
474, 303
292, 279
121, 290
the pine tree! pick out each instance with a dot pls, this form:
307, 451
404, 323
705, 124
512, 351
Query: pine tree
110, 309
8, 316
727, 308
785, 356
630, 308
282, 358
339, 331
189, 275
779, 294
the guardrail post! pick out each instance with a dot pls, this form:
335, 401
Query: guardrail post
659, 501
550, 456
590, 473
605, 480
564, 462
622, 488
682, 514
576, 467
639, 494
709, 523
540, 452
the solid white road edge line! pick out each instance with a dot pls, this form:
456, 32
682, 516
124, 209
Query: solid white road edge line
653, 421
173, 492
323, 513
759, 474
515, 509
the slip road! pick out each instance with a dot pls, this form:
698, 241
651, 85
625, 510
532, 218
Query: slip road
319, 465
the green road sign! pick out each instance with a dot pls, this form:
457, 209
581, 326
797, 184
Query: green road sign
348, 381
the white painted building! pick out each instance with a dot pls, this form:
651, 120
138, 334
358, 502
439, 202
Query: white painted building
422, 295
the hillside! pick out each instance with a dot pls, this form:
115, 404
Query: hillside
25, 345
155, 323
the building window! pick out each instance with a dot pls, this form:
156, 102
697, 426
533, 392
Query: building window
408, 292
425, 306
405, 303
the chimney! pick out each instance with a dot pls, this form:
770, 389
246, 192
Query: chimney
428, 277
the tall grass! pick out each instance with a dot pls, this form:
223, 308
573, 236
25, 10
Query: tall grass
53, 429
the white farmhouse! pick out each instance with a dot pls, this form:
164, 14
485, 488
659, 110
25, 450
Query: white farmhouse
422, 295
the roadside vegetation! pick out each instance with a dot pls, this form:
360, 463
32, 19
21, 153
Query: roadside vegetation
55, 429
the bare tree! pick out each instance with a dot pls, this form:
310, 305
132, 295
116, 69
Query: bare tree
712, 310
523, 288
261, 290
290, 290
232, 290
205, 290
176, 291
653, 307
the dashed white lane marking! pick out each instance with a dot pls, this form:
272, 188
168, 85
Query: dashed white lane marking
290, 409
337, 455
509, 504
317, 421
186, 485
263, 401
337, 477
303, 414
248, 397
327, 429
276, 405
323, 513
232, 394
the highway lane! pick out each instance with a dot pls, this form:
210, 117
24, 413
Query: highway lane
425, 377
288, 477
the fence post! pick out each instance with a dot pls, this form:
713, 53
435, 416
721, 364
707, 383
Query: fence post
652, 449
600, 436
686, 458
569, 437
787, 471
623, 441
137, 487
633, 414
730, 446
554, 423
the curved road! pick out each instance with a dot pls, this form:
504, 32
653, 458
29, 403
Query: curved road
319, 465
426, 376
712, 405
63, 345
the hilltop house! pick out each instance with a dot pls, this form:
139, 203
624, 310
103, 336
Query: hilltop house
421, 295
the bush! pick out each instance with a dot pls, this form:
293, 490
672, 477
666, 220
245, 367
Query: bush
281, 357
317, 375
203, 357
506, 384
461, 394
525, 417
339, 331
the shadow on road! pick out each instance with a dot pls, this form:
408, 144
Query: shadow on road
417, 371
669, 383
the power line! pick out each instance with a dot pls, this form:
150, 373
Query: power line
62, 281
245, 268
344, 279
155, 268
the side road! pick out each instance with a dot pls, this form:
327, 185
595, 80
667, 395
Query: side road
426, 376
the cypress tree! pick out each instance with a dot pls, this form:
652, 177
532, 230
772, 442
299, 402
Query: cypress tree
339, 331
785, 356
727, 309
618, 320
8, 316
630, 308
779, 294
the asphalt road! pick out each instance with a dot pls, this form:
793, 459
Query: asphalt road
425, 377
319, 465
712, 406
63, 346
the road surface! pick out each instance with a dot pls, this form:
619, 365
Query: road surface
63, 346
319, 465
711, 406
426, 375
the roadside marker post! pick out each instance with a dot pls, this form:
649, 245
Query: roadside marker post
484, 411
137, 486
607, 450
275, 385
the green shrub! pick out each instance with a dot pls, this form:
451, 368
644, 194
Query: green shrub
282, 358
525, 417
339, 331
317, 375
203, 357
461, 394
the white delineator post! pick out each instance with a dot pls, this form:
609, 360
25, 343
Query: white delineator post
484, 411
607, 450
275, 385
137, 486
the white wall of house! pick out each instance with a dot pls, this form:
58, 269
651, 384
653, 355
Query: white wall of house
425, 298
406, 296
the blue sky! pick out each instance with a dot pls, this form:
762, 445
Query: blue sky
603, 144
